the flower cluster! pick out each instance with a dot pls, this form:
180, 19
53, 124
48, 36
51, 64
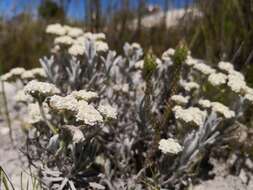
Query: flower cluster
95, 111
13, 74
217, 79
220, 108
84, 95
190, 115
180, 99
88, 114
75, 39
23, 75
170, 146
40, 89
67, 103
188, 86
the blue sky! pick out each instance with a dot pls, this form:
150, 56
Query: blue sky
8, 7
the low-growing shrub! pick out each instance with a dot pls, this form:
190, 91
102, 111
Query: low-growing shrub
133, 121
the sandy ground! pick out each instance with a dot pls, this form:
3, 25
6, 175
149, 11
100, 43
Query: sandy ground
11, 159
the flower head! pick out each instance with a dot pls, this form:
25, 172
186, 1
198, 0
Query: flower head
40, 89
99, 36
204, 103
236, 82
190, 115
84, 95
66, 40
188, 86
249, 97
56, 29
76, 49
226, 66
67, 103
217, 79
38, 72
170, 146
203, 68
74, 32
101, 46
108, 111
224, 110
88, 114
180, 99
191, 61
13, 74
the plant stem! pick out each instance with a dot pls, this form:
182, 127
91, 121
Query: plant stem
51, 127
7, 111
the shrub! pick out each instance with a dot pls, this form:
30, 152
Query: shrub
130, 121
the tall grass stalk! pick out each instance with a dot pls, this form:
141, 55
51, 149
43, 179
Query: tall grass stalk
5, 105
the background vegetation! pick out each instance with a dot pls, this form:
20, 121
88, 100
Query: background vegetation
225, 30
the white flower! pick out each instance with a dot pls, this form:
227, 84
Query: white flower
135, 45
89, 36
139, 64
158, 62
236, 82
217, 79
170, 146
17, 71
22, 97
204, 103
191, 61
203, 68
6, 77
38, 72
248, 90
81, 40
35, 88
108, 111
27, 75
226, 66
13, 74
249, 97
76, 50
168, 53
67, 28
75, 32
84, 95
224, 110
67, 40
133, 50
166, 56
167, 60
101, 46
248, 93
88, 114
34, 114
67, 103
237, 75
100, 36
56, 29
192, 114
188, 86
180, 99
